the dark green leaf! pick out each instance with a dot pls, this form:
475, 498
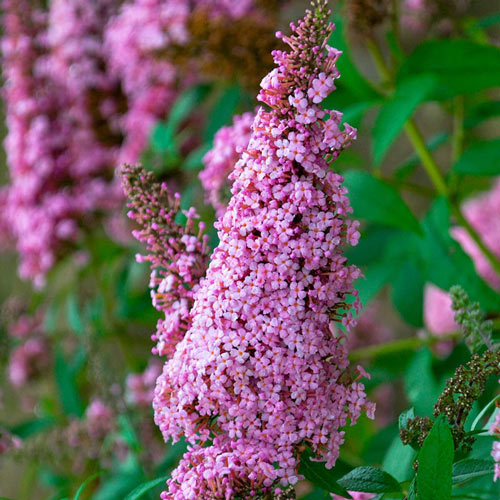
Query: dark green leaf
376, 201
408, 293
412, 495
32, 427
459, 66
369, 480
222, 112
144, 488
446, 262
67, 387
435, 462
374, 278
85, 483
351, 77
471, 468
420, 385
73, 314
482, 158
397, 110
399, 459
320, 476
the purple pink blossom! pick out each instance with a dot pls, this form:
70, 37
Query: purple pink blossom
495, 452
60, 171
262, 371
178, 254
229, 143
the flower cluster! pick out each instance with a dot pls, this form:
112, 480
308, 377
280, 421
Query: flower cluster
158, 47
229, 143
495, 452
89, 433
262, 371
140, 386
31, 355
61, 171
438, 314
178, 254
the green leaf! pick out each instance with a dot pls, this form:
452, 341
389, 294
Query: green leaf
67, 387
163, 135
351, 77
32, 427
459, 66
435, 462
375, 201
408, 293
222, 112
471, 468
483, 412
85, 483
397, 110
398, 460
373, 280
482, 158
420, 385
370, 480
144, 488
73, 314
446, 262
320, 476
412, 495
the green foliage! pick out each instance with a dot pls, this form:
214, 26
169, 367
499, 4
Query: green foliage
317, 474
369, 480
471, 468
67, 386
482, 158
434, 476
459, 66
79, 492
446, 263
376, 201
396, 110
144, 488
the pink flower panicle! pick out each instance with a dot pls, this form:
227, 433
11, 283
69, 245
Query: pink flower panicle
229, 143
495, 452
61, 172
262, 371
178, 254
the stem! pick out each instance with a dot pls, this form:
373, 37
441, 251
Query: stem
397, 346
402, 345
426, 157
29, 482
458, 129
430, 164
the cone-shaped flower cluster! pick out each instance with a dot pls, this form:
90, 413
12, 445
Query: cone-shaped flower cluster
177, 254
229, 143
262, 372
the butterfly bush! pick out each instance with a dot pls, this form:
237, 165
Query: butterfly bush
438, 314
262, 372
495, 452
60, 170
143, 41
229, 143
178, 254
